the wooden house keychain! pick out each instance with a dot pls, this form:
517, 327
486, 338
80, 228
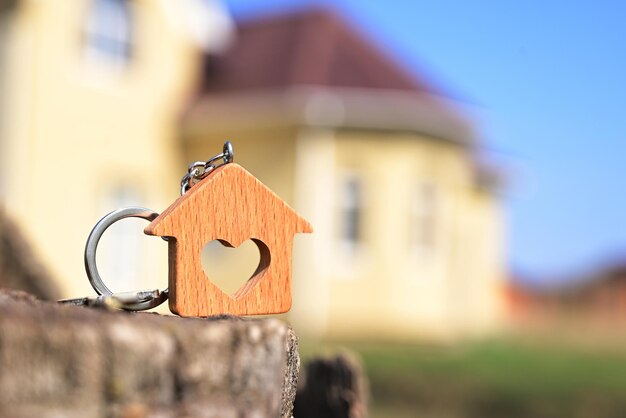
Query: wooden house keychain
222, 201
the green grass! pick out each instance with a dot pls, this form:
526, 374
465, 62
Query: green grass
493, 379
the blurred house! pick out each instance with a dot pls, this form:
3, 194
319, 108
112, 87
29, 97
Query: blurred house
596, 298
90, 104
408, 230
408, 233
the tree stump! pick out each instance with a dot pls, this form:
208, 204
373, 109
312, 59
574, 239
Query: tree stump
68, 361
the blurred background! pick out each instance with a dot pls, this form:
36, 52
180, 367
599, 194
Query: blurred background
460, 164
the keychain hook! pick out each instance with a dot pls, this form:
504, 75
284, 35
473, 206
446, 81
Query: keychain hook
200, 169
144, 299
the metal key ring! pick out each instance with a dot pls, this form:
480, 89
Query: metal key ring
90, 255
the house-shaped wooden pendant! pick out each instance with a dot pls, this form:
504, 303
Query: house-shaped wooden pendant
232, 206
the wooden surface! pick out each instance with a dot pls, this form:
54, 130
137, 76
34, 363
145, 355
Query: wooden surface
74, 362
232, 206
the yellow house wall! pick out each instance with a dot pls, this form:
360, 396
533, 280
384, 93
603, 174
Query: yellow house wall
387, 281
77, 131
480, 245
399, 290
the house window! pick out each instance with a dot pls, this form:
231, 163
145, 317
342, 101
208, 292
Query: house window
424, 217
351, 260
351, 212
108, 32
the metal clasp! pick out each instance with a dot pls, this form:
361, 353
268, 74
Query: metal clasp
130, 301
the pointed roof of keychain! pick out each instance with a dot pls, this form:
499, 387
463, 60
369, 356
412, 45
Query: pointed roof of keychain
232, 206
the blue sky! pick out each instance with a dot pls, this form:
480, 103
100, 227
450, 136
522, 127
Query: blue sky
547, 81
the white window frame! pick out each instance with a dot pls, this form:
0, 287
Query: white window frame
108, 34
424, 217
351, 253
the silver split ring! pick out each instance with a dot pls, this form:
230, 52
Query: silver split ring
90, 257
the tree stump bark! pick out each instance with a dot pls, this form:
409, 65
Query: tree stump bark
58, 360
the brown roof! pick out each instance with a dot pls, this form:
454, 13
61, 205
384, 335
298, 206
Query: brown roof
307, 47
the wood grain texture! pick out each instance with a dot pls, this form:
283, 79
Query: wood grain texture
230, 205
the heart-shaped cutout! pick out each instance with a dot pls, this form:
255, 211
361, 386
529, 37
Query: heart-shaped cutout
230, 268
